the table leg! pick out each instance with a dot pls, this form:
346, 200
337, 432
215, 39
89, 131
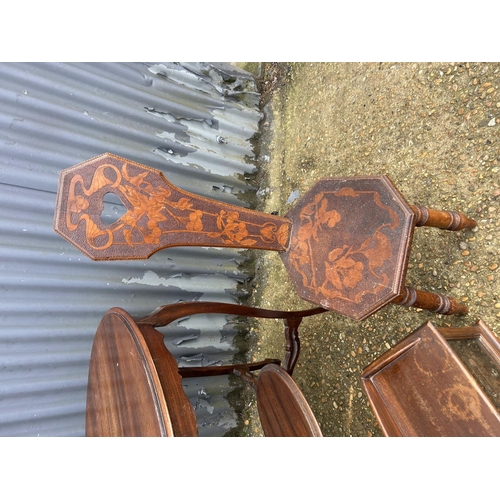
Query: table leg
292, 345
443, 219
434, 302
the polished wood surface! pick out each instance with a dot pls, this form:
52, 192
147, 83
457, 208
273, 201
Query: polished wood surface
133, 384
420, 387
164, 315
477, 347
158, 214
283, 410
181, 411
345, 243
480, 331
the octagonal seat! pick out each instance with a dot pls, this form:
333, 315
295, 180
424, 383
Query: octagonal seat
349, 244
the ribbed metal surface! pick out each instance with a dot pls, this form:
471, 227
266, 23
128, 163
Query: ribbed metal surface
193, 122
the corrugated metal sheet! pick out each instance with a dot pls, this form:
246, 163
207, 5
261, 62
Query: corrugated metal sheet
191, 121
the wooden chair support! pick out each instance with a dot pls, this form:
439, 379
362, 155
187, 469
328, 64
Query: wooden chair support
430, 301
283, 410
212, 371
442, 219
434, 302
244, 373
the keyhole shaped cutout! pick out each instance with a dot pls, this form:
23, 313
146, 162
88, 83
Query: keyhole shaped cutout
113, 209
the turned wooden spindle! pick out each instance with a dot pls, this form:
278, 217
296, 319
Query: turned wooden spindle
442, 219
434, 302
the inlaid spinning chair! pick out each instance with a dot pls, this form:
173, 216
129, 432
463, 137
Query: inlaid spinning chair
345, 244
135, 384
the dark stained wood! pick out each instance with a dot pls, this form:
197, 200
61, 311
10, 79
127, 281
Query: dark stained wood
480, 331
126, 395
211, 371
182, 416
442, 219
349, 244
420, 387
245, 374
477, 347
283, 410
434, 302
345, 244
164, 315
292, 343
135, 385
159, 215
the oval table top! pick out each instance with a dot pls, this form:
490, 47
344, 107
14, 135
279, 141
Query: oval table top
134, 387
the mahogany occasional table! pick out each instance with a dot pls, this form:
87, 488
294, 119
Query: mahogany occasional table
135, 385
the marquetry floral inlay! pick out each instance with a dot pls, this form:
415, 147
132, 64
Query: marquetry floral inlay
331, 266
156, 210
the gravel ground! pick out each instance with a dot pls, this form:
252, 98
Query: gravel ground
434, 129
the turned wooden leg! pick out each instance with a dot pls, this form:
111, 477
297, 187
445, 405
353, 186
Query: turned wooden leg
434, 302
443, 219
292, 343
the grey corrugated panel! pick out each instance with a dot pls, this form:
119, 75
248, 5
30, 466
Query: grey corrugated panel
64, 107
52, 297
208, 397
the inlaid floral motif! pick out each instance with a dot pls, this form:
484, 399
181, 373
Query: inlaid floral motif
312, 219
195, 223
343, 272
332, 271
159, 210
232, 229
77, 204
